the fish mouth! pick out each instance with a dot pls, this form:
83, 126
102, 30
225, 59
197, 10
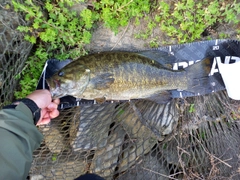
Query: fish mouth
57, 96
48, 81
57, 83
56, 93
55, 89
53, 84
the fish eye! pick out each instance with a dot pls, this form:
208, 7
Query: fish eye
61, 73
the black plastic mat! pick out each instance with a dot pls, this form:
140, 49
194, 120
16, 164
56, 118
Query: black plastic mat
177, 56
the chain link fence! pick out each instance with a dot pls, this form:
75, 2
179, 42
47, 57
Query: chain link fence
191, 138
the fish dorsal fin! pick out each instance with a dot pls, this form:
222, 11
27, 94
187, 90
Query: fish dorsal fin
164, 58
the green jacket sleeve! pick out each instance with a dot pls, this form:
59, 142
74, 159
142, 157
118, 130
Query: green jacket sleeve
19, 137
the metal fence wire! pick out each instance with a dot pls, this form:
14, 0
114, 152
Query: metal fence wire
191, 138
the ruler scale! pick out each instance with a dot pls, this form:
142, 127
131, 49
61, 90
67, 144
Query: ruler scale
178, 56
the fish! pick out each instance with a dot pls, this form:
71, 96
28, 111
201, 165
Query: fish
125, 76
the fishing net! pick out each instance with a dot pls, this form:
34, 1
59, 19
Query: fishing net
13, 51
143, 140
190, 138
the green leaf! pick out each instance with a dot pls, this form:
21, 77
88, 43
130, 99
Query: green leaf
191, 108
86, 15
32, 40
48, 6
23, 28
49, 35
62, 19
86, 37
36, 25
52, 16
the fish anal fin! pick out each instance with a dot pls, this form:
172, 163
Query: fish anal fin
160, 98
100, 100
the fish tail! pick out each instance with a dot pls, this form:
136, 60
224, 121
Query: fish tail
198, 76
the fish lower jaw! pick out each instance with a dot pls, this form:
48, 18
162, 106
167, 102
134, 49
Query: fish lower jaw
58, 93
58, 96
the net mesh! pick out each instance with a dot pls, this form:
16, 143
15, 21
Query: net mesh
13, 51
143, 140
191, 138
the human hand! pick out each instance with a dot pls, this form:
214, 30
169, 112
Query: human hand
43, 99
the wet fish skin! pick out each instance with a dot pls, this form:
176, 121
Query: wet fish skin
119, 76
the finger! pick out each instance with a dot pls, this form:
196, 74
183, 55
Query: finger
43, 113
54, 113
56, 101
41, 97
46, 116
43, 121
52, 106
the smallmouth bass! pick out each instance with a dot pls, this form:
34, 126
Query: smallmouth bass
124, 76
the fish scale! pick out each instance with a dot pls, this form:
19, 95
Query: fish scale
121, 76
169, 56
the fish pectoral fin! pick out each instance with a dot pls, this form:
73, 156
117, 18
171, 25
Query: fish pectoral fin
161, 98
102, 81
